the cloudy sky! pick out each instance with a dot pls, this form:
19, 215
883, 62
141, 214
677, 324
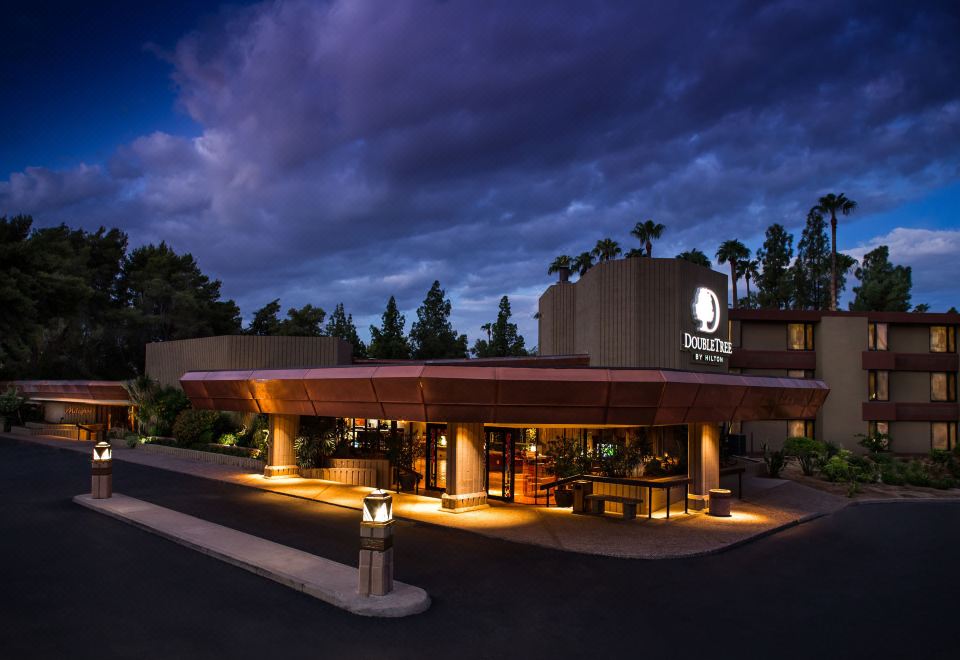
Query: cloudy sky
349, 150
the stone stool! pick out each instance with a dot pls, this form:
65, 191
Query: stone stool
720, 500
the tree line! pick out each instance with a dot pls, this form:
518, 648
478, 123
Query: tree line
811, 278
80, 304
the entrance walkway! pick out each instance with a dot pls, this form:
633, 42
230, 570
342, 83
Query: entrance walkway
763, 511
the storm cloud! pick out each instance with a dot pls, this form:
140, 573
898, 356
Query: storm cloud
355, 150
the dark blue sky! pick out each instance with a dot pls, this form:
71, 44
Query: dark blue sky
320, 152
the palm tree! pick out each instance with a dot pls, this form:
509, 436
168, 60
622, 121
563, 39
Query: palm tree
733, 252
832, 204
606, 249
563, 261
695, 256
583, 263
647, 232
634, 252
750, 271
488, 327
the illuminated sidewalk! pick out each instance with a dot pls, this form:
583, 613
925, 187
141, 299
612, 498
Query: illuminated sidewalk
762, 512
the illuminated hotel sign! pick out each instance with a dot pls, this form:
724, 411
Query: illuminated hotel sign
706, 314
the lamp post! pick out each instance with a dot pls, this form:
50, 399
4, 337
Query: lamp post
102, 471
376, 545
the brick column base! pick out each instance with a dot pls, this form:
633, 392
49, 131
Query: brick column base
281, 471
463, 502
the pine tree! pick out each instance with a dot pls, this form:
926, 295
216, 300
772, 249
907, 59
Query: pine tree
340, 324
265, 320
883, 286
812, 268
776, 282
389, 342
503, 339
304, 322
432, 336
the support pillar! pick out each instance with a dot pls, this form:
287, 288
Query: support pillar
282, 457
703, 462
465, 477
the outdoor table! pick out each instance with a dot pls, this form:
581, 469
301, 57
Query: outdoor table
667, 483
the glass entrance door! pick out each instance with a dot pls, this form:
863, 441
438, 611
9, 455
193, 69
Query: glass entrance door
436, 455
499, 458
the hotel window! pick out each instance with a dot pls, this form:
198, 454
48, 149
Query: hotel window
943, 435
943, 339
877, 336
800, 336
800, 428
799, 373
878, 384
943, 386
874, 428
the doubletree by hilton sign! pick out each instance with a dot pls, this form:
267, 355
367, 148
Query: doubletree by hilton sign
706, 314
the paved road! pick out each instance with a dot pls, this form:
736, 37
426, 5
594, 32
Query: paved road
871, 581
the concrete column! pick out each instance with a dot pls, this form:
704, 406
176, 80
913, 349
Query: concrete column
465, 477
282, 458
703, 462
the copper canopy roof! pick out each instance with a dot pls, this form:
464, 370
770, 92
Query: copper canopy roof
103, 392
508, 395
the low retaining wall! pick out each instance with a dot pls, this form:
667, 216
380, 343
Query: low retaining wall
344, 475
380, 466
251, 464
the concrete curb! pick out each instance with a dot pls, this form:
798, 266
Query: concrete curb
329, 581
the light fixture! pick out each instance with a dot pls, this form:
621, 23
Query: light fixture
378, 507
102, 451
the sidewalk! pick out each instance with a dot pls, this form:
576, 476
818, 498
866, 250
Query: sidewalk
763, 511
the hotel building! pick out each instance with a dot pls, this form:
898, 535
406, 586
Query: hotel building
888, 372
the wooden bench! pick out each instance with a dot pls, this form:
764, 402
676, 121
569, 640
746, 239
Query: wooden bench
629, 504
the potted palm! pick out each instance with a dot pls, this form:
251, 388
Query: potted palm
568, 461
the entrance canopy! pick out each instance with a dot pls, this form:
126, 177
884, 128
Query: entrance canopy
93, 392
507, 395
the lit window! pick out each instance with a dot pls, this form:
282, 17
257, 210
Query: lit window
875, 428
800, 373
877, 336
800, 336
943, 386
878, 384
943, 435
800, 428
943, 339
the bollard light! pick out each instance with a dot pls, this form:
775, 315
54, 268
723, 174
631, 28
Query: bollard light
101, 471
376, 545
102, 451
378, 507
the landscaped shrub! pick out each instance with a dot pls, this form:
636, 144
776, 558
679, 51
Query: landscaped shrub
875, 442
836, 469
774, 460
195, 426
915, 473
132, 440
807, 451
227, 439
229, 450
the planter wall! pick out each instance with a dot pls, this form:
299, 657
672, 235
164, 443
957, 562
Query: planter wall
344, 475
380, 466
251, 464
